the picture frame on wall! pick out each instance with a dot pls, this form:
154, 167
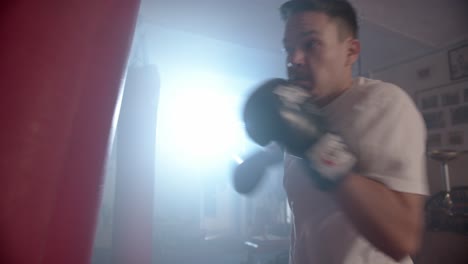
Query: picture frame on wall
445, 113
458, 62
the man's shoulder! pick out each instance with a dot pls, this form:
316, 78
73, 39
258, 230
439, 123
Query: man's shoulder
378, 87
380, 93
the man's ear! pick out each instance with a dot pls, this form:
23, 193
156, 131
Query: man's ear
353, 50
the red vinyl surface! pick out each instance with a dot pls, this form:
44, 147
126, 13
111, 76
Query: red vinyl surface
61, 69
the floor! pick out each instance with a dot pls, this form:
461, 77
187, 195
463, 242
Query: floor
224, 250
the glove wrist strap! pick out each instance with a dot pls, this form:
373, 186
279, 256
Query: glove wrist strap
331, 161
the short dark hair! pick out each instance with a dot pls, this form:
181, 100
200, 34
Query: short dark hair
340, 9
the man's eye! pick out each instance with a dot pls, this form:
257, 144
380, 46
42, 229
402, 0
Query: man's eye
310, 44
288, 50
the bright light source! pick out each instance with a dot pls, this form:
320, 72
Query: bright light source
205, 119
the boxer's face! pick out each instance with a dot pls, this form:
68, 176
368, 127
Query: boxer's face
319, 55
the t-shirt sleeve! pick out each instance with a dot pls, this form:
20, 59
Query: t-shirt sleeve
392, 145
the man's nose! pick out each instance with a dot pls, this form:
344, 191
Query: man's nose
296, 58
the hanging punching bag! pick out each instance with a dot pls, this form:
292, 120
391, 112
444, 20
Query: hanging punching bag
61, 68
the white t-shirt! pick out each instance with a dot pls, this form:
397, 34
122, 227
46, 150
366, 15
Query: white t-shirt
382, 127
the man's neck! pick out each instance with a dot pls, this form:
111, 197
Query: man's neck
322, 102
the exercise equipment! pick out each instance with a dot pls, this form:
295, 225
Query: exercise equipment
447, 210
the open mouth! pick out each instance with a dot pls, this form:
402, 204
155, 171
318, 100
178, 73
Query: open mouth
300, 82
305, 84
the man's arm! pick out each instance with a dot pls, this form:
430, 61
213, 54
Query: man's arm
384, 196
392, 221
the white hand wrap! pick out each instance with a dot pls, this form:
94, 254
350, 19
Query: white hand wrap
330, 157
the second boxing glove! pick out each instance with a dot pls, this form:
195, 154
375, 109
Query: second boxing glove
288, 116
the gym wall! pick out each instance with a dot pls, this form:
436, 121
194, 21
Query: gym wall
430, 74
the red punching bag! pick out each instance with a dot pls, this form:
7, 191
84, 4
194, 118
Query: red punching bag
61, 68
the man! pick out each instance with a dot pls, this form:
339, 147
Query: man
370, 209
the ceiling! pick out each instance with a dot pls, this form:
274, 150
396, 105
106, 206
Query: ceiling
390, 30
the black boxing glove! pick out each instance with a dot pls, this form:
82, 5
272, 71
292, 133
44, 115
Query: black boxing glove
281, 112
262, 120
277, 111
248, 174
270, 116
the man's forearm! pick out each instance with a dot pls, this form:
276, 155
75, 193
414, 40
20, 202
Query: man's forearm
391, 221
